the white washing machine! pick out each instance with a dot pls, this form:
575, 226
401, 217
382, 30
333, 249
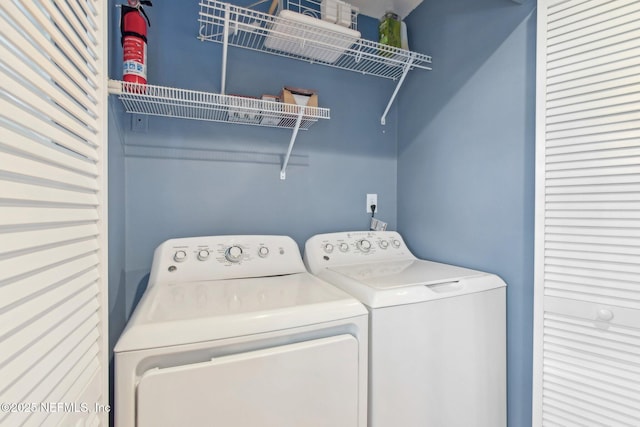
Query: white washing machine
437, 333
233, 331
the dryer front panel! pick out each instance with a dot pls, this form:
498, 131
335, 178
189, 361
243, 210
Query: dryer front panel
312, 384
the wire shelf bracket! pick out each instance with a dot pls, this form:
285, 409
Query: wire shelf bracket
407, 68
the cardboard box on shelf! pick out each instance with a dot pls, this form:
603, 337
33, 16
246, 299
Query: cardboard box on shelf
298, 96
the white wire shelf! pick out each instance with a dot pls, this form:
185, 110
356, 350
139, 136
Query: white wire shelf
189, 104
301, 37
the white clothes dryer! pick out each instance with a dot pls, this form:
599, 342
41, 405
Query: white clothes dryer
233, 331
437, 332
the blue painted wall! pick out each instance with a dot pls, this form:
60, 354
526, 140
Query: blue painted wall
190, 178
466, 156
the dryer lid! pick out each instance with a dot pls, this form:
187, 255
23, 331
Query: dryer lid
185, 313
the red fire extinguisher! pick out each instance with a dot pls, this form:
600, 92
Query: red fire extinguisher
133, 29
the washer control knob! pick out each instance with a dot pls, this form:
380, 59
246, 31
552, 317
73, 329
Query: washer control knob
233, 253
383, 244
344, 247
203, 254
396, 243
180, 256
263, 251
364, 245
328, 248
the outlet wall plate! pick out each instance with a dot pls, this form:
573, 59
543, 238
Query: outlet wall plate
372, 199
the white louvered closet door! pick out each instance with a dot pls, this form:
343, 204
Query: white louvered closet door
587, 306
53, 306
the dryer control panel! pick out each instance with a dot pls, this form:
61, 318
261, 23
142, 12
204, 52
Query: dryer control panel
194, 259
354, 247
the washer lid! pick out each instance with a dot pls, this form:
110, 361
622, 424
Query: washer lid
184, 313
408, 281
402, 273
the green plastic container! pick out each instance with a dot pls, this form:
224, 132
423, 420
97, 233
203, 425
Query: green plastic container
389, 32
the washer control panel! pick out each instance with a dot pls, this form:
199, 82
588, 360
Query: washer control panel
225, 257
354, 247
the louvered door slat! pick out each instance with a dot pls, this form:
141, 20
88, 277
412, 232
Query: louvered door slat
591, 231
594, 155
29, 317
596, 124
560, 419
33, 121
617, 39
595, 413
16, 164
72, 368
622, 289
80, 40
580, 11
587, 266
568, 387
61, 35
53, 252
53, 327
45, 192
49, 256
587, 272
27, 286
568, 92
34, 214
20, 19
583, 127
582, 77
595, 180
35, 239
593, 362
25, 73
44, 150
592, 27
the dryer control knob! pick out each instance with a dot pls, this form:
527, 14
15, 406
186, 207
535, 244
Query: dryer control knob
364, 245
396, 243
233, 254
328, 248
180, 256
383, 244
203, 254
263, 251
344, 247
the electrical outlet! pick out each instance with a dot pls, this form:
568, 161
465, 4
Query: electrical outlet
372, 199
139, 123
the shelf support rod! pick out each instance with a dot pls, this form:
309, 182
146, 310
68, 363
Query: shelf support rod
225, 46
283, 171
405, 71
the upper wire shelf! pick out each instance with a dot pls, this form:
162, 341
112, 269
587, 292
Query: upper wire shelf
189, 104
302, 37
